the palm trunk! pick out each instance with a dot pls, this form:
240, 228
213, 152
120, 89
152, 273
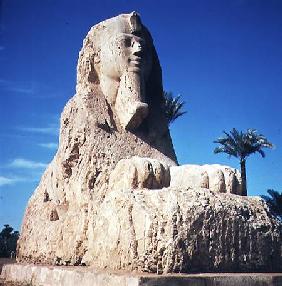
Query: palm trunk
244, 177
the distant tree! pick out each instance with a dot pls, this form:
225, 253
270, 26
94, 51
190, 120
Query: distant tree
274, 200
173, 107
241, 145
8, 241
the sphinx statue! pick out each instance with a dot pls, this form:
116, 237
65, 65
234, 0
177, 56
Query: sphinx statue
114, 196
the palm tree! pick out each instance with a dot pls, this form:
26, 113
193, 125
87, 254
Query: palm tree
173, 107
8, 241
241, 145
274, 200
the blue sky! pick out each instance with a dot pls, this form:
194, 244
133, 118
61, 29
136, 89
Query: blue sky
223, 57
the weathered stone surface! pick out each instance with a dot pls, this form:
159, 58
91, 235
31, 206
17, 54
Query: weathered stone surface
99, 203
217, 178
184, 230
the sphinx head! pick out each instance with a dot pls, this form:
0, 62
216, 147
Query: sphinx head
117, 55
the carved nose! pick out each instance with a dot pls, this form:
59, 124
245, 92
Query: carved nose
137, 47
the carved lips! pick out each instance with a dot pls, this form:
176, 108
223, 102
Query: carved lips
135, 63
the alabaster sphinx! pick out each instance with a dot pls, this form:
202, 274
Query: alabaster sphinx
113, 197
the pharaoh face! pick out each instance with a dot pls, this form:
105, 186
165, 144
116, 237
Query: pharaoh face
125, 53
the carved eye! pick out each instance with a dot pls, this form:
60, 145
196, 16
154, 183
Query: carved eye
127, 42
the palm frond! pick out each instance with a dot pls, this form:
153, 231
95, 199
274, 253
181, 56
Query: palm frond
262, 153
242, 144
172, 107
274, 201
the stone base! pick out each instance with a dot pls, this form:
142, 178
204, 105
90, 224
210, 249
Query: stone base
76, 275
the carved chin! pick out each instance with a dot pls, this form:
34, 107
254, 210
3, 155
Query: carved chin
135, 69
135, 65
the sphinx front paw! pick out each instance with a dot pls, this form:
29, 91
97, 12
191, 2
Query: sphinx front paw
140, 173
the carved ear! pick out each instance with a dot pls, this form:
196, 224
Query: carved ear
97, 58
93, 75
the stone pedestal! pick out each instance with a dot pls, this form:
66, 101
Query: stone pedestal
84, 276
